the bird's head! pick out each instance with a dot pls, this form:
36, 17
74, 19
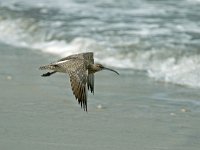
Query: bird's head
99, 67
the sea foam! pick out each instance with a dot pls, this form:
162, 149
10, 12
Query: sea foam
167, 64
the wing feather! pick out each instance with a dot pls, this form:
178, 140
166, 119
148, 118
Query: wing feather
76, 68
90, 83
88, 56
90, 79
85, 56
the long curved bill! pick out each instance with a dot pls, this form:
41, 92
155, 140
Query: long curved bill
111, 70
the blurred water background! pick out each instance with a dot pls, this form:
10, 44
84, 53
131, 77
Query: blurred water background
153, 104
160, 37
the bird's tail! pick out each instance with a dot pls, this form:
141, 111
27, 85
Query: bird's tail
47, 67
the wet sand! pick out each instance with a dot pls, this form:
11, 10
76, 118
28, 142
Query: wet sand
129, 111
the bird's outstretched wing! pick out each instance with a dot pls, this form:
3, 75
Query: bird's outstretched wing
85, 56
76, 68
88, 56
90, 80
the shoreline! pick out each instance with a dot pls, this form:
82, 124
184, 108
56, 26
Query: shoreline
136, 112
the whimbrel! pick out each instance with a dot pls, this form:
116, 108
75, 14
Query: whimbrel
81, 69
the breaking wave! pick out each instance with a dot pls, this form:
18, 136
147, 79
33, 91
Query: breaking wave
175, 60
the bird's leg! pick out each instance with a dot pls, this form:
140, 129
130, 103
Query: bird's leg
48, 74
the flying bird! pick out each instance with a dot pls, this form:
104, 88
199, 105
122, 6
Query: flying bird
80, 68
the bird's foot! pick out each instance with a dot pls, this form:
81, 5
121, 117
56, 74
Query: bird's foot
48, 74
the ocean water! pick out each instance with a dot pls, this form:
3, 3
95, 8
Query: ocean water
130, 111
153, 104
161, 38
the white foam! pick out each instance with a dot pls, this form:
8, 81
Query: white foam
19, 32
184, 72
8, 28
164, 65
62, 48
193, 1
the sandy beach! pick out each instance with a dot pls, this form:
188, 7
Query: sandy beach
130, 111
152, 105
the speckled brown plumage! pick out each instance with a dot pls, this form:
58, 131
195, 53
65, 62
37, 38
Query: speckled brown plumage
81, 69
